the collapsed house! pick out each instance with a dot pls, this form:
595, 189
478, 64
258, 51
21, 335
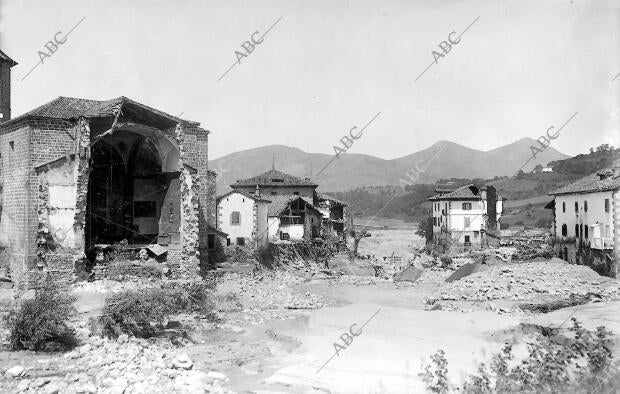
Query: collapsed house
333, 212
293, 218
78, 176
294, 210
467, 216
583, 227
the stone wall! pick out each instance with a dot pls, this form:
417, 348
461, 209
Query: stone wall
15, 188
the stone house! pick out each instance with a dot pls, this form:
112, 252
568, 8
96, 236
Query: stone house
465, 216
243, 217
583, 227
277, 183
274, 183
78, 175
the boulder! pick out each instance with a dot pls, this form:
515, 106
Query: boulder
410, 274
465, 270
15, 371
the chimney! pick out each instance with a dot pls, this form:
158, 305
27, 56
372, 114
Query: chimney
5, 86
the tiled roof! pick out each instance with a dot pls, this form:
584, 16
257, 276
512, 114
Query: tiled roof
4, 57
281, 202
248, 195
212, 230
591, 184
72, 108
274, 178
467, 192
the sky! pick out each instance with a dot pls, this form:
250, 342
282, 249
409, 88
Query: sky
328, 66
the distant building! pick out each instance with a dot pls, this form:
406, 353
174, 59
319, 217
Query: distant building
282, 190
243, 217
583, 225
547, 169
293, 218
465, 216
277, 183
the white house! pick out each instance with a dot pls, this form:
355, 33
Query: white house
583, 220
244, 217
465, 216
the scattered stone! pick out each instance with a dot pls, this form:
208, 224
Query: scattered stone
182, 361
122, 338
410, 274
216, 375
15, 371
23, 385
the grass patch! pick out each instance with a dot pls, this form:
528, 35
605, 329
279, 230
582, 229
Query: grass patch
144, 312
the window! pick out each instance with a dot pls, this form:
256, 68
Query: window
240, 241
564, 230
467, 239
434, 221
586, 232
211, 241
581, 231
235, 218
585, 206
576, 206
563, 207
476, 234
576, 230
607, 205
467, 222
466, 206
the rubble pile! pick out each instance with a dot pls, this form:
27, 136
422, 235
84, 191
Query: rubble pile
127, 365
531, 246
528, 281
270, 291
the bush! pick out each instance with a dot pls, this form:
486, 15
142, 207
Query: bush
41, 323
142, 313
553, 365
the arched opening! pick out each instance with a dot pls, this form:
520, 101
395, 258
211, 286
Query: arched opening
133, 194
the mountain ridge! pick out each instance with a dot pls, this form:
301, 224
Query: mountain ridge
443, 159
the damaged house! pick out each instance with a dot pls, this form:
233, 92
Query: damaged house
79, 176
296, 210
583, 223
334, 214
293, 218
466, 216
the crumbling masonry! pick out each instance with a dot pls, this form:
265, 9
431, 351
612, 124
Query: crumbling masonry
78, 177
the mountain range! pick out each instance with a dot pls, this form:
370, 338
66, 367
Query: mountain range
443, 159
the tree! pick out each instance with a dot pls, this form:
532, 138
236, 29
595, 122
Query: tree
425, 229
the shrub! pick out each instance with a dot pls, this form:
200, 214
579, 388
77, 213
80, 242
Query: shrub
142, 313
41, 323
580, 364
436, 381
